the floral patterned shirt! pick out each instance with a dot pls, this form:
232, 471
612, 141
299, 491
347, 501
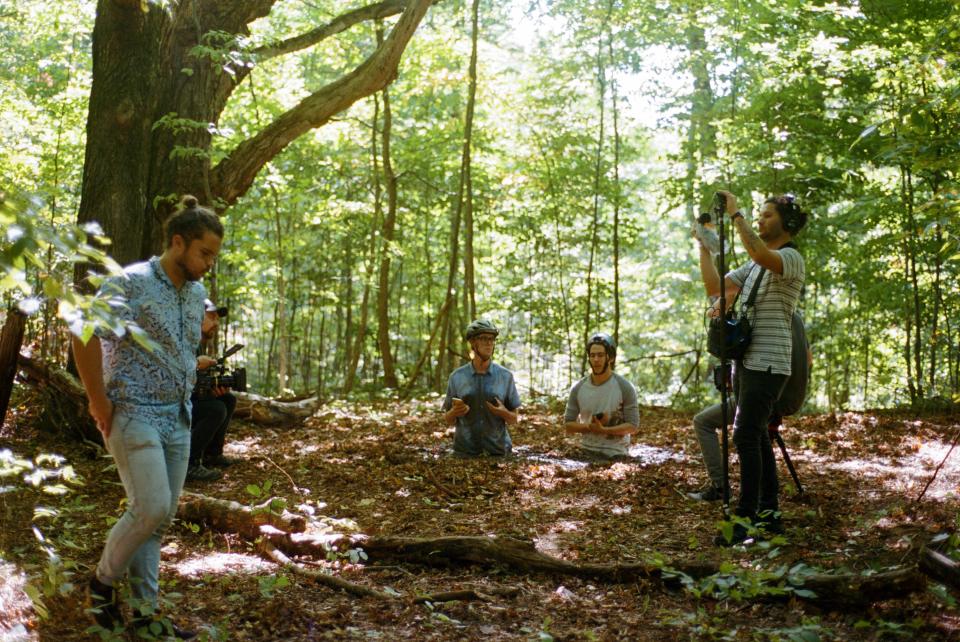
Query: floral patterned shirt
153, 384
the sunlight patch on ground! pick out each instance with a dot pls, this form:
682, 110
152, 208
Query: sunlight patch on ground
15, 607
549, 542
221, 563
616, 472
646, 455
909, 471
243, 446
564, 463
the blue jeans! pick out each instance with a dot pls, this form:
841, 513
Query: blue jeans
756, 394
151, 458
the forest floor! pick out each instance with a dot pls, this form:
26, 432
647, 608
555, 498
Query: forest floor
386, 469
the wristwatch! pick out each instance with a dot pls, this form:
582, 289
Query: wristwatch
734, 216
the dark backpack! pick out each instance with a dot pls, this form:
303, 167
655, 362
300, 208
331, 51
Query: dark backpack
795, 390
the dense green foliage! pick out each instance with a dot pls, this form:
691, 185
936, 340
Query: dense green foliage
600, 128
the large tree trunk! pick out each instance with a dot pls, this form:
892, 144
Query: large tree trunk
139, 160
10, 339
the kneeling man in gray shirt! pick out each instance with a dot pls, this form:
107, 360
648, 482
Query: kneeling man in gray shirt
602, 406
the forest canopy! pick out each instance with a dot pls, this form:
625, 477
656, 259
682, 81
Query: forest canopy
537, 163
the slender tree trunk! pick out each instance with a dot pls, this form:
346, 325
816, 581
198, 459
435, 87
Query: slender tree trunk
344, 318
907, 195
470, 288
616, 190
866, 370
322, 356
280, 320
937, 300
358, 340
271, 351
597, 184
449, 331
386, 247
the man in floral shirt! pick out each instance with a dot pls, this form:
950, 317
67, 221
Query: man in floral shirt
139, 384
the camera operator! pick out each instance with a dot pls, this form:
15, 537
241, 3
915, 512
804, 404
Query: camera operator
602, 407
211, 412
776, 268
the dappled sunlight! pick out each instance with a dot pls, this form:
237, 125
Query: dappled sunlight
903, 464
651, 455
550, 541
218, 563
618, 471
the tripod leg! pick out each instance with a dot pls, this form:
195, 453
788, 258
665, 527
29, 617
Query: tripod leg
786, 459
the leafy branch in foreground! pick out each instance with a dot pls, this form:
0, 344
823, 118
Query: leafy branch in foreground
29, 241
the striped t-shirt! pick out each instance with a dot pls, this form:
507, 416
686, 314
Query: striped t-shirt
771, 343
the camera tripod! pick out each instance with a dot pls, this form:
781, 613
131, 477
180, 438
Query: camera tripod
773, 429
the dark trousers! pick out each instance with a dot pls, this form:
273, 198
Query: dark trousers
208, 426
756, 394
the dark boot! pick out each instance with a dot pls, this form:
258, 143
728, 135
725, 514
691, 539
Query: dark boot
770, 521
156, 627
102, 605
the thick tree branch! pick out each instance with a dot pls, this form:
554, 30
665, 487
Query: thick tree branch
338, 25
232, 177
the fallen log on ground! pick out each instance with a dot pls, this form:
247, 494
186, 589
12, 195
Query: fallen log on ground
67, 402
831, 591
268, 412
940, 567
233, 517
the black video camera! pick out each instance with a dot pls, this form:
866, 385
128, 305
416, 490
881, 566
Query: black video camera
216, 376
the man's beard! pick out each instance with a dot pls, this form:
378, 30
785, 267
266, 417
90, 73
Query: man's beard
187, 274
603, 368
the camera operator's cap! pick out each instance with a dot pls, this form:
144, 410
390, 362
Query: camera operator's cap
210, 306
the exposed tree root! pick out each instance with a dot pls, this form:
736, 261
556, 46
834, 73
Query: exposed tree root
521, 556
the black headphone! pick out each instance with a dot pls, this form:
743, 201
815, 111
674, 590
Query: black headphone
794, 219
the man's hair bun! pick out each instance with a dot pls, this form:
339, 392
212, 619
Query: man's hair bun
188, 202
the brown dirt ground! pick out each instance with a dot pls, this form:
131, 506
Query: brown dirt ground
385, 470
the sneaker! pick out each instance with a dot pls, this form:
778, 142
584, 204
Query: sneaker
102, 605
155, 627
198, 472
709, 493
220, 461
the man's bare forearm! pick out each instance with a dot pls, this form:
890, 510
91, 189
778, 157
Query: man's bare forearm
708, 272
752, 242
89, 360
575, 427
621, 429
